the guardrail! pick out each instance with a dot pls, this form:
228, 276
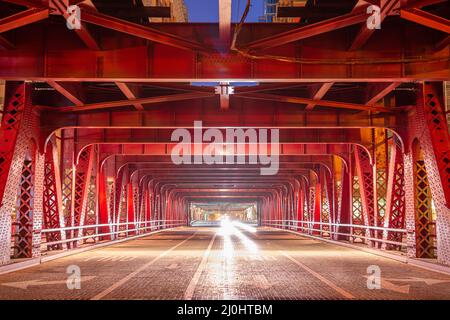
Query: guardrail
69, 234
299, 224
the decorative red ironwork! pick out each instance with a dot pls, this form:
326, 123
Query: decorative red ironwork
51, 200
395, 206
23, 235
366, 186
12, 116
439, 131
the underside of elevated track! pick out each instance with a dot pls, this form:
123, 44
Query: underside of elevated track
226, 160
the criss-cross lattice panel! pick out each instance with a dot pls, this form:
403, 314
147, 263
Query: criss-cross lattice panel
50, 202
10, 124
437, 124
66, 187
91, 216
357, 210
425, 231
397, 195
312, 207
24, 224
325, 214
81, 173
366, 187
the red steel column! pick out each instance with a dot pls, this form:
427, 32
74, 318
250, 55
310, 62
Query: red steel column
19, 136
365, 172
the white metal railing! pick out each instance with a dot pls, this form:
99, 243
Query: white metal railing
114, 227
299, 224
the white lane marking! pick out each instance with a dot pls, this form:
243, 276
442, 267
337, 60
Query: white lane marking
189, 293
25, 284
131, 275
344, 293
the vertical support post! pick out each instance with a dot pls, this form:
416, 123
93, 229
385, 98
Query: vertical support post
21, 164
80, 190
365, 172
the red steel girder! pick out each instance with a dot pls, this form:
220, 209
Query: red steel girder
395, 202
134, 29
364, 32
325, 103
434, 107
377, 91
23, 18
128, 92
308, 31
121, 103
427, 19
9, 129
319, 94
70, 90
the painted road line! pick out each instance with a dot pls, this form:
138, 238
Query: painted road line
344, 293
131, 275
189, 293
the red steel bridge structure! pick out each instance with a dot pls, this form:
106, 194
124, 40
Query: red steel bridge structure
88, 115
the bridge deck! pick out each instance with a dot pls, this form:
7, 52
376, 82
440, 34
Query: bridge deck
207, 263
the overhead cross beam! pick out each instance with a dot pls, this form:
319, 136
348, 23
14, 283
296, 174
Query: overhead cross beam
69, 90
319, 94
377, 92
324, 103
308, 31
82, 32
128, 92
122, 103
364, 32
426, 19
22, 19
137, 30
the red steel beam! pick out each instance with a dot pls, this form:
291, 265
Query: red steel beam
324, 103
22, 19
380, 91
83, 32
422, 3
320, 93
365, 33
427, 19
68, 91
27, 3
122, 103
129, 94
134, 29
308, 31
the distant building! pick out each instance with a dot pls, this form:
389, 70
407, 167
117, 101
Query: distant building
271, 9
179, 12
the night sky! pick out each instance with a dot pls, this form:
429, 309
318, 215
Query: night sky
207, 10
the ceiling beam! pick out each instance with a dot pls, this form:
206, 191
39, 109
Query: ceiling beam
70, 90
365, 33
308, 31
129, 94
122, 103
426, 19
377, 91
22, 19
307, 101
319, 94
137, 30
